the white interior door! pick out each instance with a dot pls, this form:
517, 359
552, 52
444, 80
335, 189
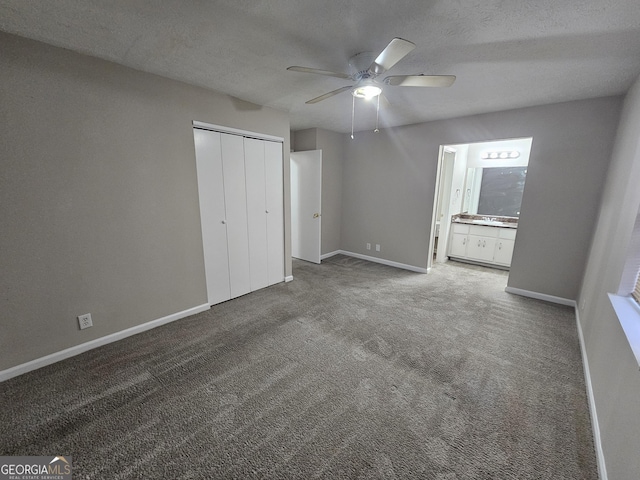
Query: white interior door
275, 210
256, 212
306, 202
212, 214
235, 194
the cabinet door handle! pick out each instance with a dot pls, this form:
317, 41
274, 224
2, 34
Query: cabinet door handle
479, 243
464, 241
224, 222
500, 246
484, 243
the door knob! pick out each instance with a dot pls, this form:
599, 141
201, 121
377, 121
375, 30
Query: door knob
316, 215
224, 222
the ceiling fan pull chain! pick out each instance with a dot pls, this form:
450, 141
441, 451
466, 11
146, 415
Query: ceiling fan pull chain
377, 115
353, 113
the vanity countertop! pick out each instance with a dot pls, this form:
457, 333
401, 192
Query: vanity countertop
504, 222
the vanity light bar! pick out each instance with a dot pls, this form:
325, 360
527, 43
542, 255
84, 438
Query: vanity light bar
502, 155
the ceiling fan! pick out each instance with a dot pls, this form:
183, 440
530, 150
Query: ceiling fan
365, 68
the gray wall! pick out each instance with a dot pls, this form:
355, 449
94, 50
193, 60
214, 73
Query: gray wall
302, 140
389, 184
332, 146
99, 201
614, 371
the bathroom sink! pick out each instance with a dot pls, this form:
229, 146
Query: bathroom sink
490, 223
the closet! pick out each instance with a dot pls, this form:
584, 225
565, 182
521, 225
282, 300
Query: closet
240, 187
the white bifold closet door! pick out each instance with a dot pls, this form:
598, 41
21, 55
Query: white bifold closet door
235, 200
240, 187
263, 166
257, 212
212, 214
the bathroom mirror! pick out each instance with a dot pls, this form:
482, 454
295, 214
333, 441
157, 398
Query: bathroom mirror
495, 191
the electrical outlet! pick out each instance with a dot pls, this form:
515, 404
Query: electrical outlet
377, 247
85, 321
368, 246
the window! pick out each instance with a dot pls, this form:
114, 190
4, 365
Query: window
626, 302
636, 291
629, 282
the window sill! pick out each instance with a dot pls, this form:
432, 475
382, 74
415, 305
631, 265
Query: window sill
628, 313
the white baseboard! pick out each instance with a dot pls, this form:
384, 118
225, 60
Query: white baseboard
288, 278
98, 342
602, 467
330, 254
390, 263
541, 296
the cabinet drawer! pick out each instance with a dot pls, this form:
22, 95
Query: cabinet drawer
483, 231
460, 228
508, 233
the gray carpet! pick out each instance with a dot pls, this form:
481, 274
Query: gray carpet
353, 370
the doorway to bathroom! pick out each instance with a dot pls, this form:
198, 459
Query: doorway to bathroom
479, 189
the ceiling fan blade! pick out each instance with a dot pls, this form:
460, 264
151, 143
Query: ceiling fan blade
317, 71
420, 80
397, 49
330, 94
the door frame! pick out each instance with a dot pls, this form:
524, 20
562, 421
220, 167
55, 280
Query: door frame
437, 200
315, 257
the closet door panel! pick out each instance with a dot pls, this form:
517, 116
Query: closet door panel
275, 208
212, 215
236, 208
256, 212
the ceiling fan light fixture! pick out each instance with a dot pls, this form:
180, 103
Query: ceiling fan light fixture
366, 91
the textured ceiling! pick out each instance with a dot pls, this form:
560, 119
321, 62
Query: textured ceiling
505, 53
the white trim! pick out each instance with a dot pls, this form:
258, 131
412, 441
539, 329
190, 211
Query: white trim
453, 258
236, 131
288, 278
434, 211
541, 296
600, 460
98, 342
390, 263
330, 254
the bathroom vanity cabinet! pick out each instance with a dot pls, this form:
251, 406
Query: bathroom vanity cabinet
491, 245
